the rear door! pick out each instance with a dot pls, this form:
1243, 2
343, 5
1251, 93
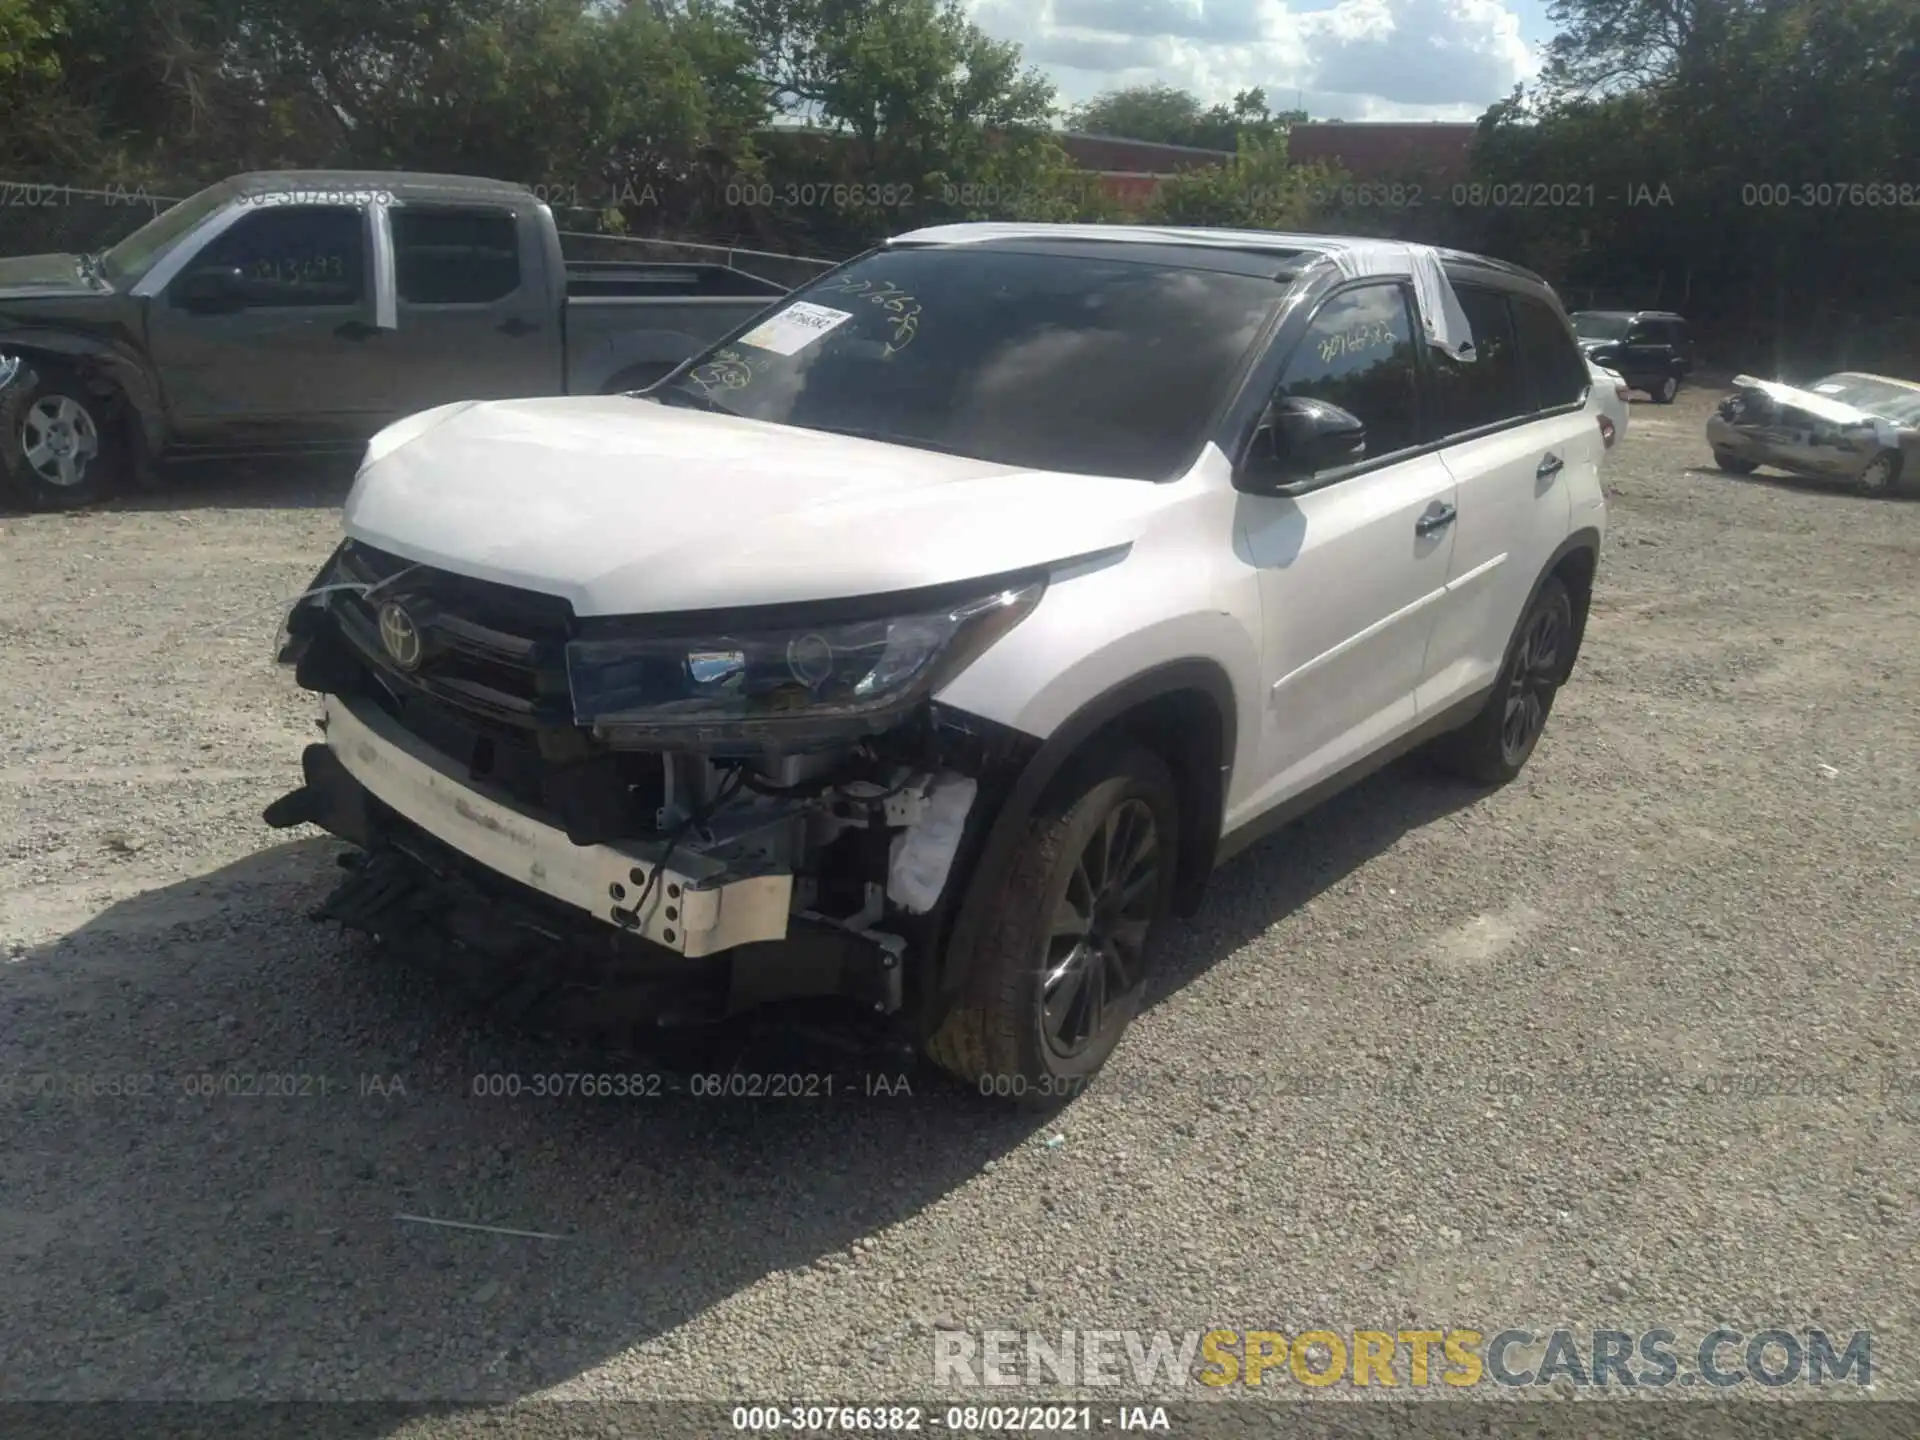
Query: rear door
476, 311
1515, 432
291, 367
1349, 572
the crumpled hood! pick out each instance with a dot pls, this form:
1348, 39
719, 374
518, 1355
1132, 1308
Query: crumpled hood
26, 275
626, 506
1820, 407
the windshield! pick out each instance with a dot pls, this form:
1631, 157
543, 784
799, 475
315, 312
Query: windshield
132, 256
1589, 326
1042, 361
1876, 397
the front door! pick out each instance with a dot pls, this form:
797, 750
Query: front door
298, 362
1349, 571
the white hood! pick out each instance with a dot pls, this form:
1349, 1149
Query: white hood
625, 506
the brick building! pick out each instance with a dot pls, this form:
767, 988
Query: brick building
1429, 152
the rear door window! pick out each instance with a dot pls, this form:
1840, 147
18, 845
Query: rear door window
1469, 394
1556, 375
444, 256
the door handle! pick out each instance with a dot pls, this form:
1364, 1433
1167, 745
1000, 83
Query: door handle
516, 327
356, 330
1438, 517
1549, 467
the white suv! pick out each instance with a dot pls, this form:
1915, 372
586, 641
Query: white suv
931, 639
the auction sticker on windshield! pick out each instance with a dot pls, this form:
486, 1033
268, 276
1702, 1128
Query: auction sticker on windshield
795, 328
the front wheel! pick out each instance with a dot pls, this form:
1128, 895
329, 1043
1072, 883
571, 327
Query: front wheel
1664, 389
1733, 464
62, 451
1057, 970
1494, 746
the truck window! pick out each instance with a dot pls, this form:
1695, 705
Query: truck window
1486, 389
294, 255
1358, 354
455, 257
1549, 357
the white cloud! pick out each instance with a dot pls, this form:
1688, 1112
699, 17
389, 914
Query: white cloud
1357, 60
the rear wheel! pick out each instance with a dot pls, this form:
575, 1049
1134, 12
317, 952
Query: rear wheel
1495, 745
1733, 464
1881, 475
1057, 971
62, 449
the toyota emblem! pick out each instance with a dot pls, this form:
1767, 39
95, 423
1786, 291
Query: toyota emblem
400, 635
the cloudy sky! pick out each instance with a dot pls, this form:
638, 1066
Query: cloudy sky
1345, 59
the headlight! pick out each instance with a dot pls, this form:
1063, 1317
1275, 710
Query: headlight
784, 687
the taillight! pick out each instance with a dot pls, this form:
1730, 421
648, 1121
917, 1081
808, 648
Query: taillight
1608, 434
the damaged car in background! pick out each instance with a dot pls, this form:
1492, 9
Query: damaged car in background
1862, 429
927, 643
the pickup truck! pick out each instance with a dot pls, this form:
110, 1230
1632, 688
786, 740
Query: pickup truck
302, 311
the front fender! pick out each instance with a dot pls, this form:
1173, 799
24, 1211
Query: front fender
113, 361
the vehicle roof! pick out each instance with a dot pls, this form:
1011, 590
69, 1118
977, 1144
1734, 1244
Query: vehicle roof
400, 183
1281, 245
1635, 314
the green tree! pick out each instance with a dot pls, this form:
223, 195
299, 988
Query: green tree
1167, 115
1259, 189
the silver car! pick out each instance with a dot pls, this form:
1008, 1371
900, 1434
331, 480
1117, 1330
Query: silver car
1864, 429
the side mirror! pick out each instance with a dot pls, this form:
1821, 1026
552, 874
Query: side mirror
214, 291
1299, 439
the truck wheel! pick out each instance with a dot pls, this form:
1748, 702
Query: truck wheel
1664, 389
62, 448
1494, 746
1881, 475
1059, 967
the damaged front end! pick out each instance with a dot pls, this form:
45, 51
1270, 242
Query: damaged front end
720, 810
1767, 422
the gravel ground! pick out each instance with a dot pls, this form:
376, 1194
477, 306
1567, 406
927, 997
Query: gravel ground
1322, 1122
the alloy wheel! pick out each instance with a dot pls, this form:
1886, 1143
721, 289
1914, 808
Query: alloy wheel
1530, 686
1669, 387
59, 439
1096, 948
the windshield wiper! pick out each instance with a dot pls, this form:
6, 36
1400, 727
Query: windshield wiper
689, 399
887, 437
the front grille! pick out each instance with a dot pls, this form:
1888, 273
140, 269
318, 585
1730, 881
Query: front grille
489, 651
490, 691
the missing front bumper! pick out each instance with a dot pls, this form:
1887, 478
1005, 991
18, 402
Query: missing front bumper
698, 905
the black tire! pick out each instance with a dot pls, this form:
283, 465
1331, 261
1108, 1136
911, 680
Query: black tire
1733, 465
1494, 746
1881, 477
1664, 389
1003, 1036
61, 446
